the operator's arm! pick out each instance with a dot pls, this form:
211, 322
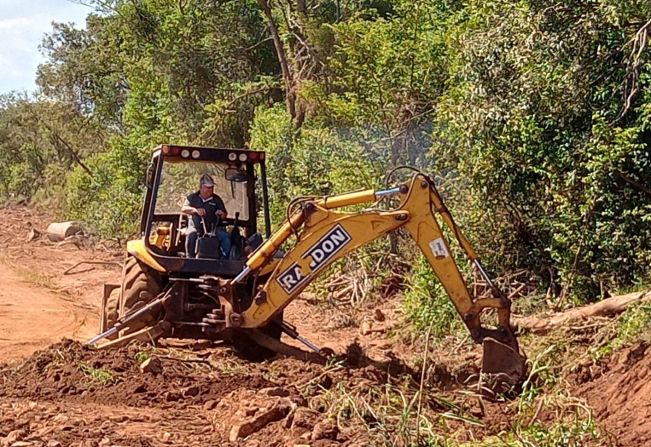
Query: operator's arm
190, 210
221, 208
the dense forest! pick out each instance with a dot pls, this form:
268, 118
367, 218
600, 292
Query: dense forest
534, 115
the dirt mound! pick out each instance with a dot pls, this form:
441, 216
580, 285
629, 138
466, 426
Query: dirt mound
619, 390
146, 396
114, 377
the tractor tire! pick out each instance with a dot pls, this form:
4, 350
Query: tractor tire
248, 348
140, 286
111, 314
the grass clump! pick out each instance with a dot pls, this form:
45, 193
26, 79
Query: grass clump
97, 375
632, 325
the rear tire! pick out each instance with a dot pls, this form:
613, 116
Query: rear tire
111, 311
140, 286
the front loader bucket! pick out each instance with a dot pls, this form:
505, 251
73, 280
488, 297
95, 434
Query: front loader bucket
503, 367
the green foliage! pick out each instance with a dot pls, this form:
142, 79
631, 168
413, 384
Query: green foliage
427, 304
315, 162
632, 324
97, 375
534, 125
534, 115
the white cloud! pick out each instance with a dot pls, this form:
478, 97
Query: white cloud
22, 27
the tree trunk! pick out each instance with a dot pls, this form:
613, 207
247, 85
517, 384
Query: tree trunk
610, 306
288, 79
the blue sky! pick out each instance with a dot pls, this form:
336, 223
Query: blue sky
22, 26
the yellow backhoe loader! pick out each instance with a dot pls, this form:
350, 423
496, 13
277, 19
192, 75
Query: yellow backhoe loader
164, 293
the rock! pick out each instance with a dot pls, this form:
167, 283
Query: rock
274, 392
379, 315
366, 327
53, 443
260, 420
152, 365
190, 391
324, 430
209, 405
12, 437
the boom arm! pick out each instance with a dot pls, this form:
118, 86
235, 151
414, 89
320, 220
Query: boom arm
327, 235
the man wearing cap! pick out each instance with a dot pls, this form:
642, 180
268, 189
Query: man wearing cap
207, 206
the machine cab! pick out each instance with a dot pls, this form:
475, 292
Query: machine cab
174, 173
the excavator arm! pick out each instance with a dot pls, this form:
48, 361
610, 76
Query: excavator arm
326, 235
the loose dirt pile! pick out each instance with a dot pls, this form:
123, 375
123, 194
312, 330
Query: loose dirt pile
619, 391
74, 395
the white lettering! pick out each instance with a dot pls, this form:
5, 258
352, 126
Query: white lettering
328, 246
291, 279
317, 255
338, 237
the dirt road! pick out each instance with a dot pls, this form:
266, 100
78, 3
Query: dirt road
39, 303
33, 317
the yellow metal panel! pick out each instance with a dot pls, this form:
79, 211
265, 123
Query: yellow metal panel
447, 218
137, 249
427, 233
333, 236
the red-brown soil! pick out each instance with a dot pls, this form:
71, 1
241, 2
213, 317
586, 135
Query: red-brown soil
59, 392
620, 393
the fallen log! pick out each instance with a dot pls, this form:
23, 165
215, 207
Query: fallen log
59, 231
608, 307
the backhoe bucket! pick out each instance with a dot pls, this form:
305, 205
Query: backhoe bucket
503, 367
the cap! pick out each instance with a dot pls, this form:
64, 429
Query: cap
206, 180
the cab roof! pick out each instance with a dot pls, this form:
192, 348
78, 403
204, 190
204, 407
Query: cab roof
178, 153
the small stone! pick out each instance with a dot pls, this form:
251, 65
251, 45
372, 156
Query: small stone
60, 418
324, 430
366, 327
166, 436
53, 443
275, 391
14, 436
261, 419
152, 365
209, 405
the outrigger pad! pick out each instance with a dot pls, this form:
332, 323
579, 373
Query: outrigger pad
503, 367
